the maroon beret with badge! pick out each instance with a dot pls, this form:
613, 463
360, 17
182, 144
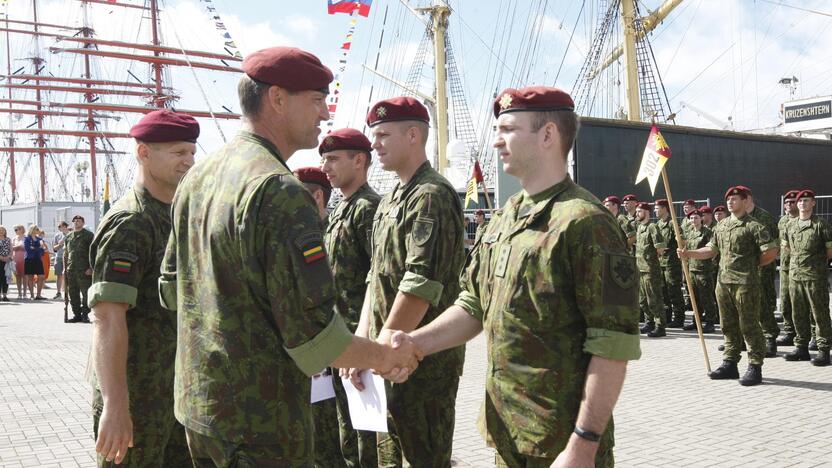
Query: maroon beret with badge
746, 189
288, 67
705, 209
345, 139
662, 202
313, 175
397, 109
630, 197
643, 206
695, 212
740, 190
806, 193
791, 194
614, 199
164, 126
690, 202
533, 99
720, 208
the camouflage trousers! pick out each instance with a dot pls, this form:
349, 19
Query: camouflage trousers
672, 290
327, 439
603, 459
210, 452
786, 303
810, 299
651, 298
77, 284
705, 295
158, 444
739, 306
768, 301
359, 448
421, 424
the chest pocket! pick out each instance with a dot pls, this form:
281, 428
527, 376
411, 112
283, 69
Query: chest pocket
807, 239
386, 244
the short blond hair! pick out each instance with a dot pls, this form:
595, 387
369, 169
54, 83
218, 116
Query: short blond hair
33, 230
17, 226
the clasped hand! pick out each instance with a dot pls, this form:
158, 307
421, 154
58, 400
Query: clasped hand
401, 358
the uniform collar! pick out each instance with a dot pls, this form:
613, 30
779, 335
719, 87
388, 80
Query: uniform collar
400, 189
268, 145
365, 187
531, 206
148, 199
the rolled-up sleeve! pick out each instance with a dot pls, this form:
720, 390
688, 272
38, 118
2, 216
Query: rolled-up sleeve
120, 255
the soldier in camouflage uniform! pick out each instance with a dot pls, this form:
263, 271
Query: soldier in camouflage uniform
649, 245
791, 213
743, 245
78, 274
134, 338
418, 254
671, 267
346, 158
696, 237
720, 213
768, 300
246, 270
554, 287
710, 221
613, 204
688, 207
324, 412
809, 240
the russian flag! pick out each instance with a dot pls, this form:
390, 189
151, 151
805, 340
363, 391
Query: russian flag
348, 6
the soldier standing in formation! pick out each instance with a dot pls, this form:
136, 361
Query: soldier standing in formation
791, 213
696, 237
649, 246
613, 204
346, 157
768, 301
743, 245
688, 207
720, 213
671, 268
809, 241
418, 254
246, 271
134, 338
554, 287
78, 275
631, 203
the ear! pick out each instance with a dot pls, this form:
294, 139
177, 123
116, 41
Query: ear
550, 136
142, 152
276, 98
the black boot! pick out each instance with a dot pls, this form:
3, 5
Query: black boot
786, 340
771, 347
753, 376
85, 317
801, 353
677, 323
657, 333
708, 327
813, 345
822, 358
76, 318
648, 327
689, 327
728, 370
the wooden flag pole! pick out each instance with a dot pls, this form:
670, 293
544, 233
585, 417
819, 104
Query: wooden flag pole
680, 241
487, 197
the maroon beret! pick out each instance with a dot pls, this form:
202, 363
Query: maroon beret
746, 189
806, 193
705, 209
791, 194
288, 67
695, 212
345, 139
163, 126
534, 99
690, 202
313, 175
480, 212
643, 206
397, 109
630, 197
738, 190
662, 202
614, 199
720, 208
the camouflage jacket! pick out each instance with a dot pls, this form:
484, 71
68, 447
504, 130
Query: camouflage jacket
783, 227
770, 223
648, 239
349, 243
418, 249
627, 226
77, 250
553, 283
669, 257
246, 269
126, 254
696, 239
808, 240
739, 242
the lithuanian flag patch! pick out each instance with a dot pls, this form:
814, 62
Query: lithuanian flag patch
314, 254
122, 266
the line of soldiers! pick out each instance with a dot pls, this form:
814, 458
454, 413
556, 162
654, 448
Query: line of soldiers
739, 285
259, 290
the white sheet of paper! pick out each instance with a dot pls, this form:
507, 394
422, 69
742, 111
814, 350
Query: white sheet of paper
322, 388
368, 408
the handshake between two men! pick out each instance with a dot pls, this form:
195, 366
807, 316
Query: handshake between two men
396, 358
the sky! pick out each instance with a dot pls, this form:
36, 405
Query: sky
724, 59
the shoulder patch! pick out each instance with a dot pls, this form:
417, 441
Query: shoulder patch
311, 246
620, 280
422, 230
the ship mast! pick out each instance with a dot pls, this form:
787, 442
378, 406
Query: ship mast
628, 17
159, 99
12, 173
439, 14
41, 141
89, 97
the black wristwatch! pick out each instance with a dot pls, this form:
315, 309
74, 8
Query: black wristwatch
587, 435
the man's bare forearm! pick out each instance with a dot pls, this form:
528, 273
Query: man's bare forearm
109, 344
363, 329
406, 313
451, 329
604, 380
